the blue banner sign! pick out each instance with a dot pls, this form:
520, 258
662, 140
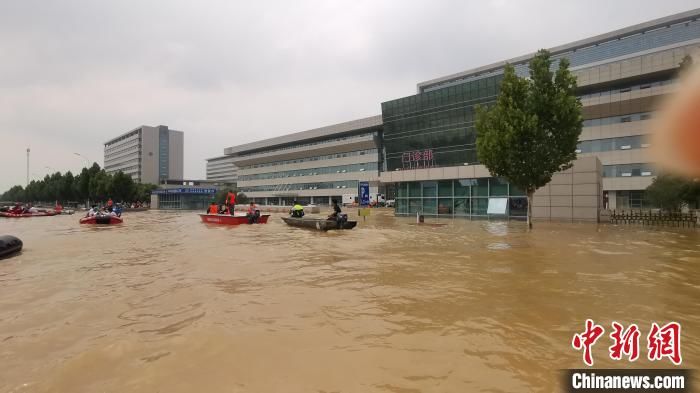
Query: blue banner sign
363, 190
185, 191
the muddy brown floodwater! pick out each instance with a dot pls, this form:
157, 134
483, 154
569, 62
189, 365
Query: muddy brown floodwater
164, 303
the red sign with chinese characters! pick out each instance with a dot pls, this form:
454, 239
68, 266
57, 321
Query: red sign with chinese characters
662, 342
418, 159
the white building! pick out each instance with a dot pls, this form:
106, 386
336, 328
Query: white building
311, 166
222, 169
148, 154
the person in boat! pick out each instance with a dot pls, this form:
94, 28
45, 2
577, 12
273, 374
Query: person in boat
110, 205
297, 210
253, 213
223, 209
231, 201
337, 214
213, 208
92, 211
118, 210
16, 209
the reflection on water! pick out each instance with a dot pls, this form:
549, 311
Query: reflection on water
165, 303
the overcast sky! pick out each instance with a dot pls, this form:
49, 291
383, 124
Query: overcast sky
75, 73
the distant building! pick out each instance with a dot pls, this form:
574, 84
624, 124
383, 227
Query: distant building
183, 195
311, 166
222, 170
148, 154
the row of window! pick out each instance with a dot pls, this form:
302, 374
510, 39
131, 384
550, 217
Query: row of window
121, 149
122, 145
627, 89
616, 47
604, 121
610, 144
135, 156
119, 164
314, 158
463, 93
350, 185
629, 170
455, 117
368, 166
482, 187
298, 145
132, 134
635, 199
463, 207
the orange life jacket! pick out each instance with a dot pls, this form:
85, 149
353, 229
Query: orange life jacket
231, 198
213, 209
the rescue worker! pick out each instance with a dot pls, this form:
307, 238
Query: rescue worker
213, 208
231, 201
297, 210
253, 213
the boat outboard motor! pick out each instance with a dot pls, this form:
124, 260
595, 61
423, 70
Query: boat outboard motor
9, 245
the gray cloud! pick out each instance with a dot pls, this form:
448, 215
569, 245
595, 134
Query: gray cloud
75, 73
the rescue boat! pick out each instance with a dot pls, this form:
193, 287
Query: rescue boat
101, 219
24, 215
226, 219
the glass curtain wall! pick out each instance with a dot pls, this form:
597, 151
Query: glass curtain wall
457, 198
435, 129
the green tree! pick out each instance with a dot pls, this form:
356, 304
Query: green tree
67, 189
666, 192
142, 192
670, 192
241, 198
122, 187
14, 194
532, 130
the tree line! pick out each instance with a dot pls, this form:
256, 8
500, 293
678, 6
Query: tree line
92, 183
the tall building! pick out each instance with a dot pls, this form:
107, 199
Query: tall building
148, 154
222, 170
429, 144
311, 166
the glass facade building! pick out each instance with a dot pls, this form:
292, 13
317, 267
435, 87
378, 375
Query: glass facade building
622, 77
436, 128
457, 198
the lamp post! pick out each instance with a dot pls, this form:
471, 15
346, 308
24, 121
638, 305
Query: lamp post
27, 167
83, 157
87, 203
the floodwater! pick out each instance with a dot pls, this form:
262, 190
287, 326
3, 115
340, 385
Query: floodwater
164, 303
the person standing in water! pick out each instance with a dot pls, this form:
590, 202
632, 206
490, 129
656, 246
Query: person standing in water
231, 201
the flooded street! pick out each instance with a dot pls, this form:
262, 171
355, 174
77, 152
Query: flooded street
164, 303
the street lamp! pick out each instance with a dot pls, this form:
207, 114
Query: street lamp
87, 203
83, 157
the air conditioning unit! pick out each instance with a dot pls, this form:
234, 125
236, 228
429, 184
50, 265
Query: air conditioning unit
625, 147
626, 174
646, 173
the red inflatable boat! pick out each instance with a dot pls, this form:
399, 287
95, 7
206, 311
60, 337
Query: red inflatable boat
225, 219
23, 215
101, 220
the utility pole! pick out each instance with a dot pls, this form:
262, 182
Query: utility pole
27, 167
